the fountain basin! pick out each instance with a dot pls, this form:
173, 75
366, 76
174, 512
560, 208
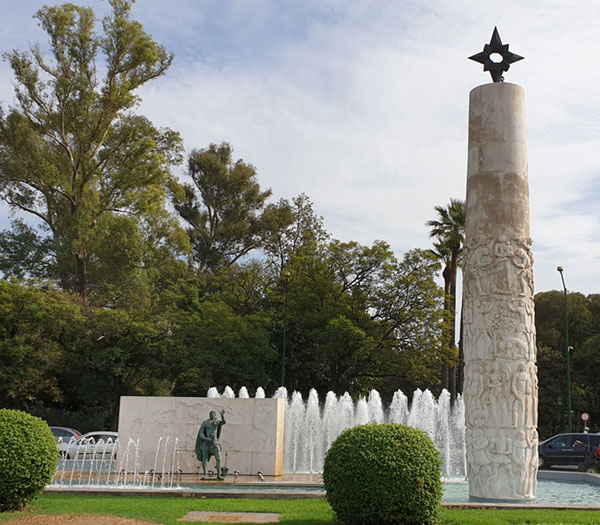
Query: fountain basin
550, 494
556, 490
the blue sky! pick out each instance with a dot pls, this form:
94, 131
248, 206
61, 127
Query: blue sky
363, 105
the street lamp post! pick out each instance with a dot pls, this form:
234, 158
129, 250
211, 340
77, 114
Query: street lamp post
286, 275
570, 423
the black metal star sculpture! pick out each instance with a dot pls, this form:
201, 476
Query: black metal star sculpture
496, 68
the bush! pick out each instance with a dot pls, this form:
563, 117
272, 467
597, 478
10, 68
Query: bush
28, 458
383, 474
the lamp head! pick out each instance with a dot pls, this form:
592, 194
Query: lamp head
559, 269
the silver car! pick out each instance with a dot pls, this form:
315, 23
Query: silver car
100, 444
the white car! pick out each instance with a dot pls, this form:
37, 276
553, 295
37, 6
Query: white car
100, 444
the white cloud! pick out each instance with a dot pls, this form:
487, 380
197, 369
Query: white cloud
363, 106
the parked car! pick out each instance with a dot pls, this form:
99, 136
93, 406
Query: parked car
566, 449
93, 445
65, 434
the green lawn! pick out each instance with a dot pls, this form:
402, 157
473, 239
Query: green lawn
294, 512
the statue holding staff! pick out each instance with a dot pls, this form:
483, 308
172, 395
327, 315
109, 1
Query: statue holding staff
207, 442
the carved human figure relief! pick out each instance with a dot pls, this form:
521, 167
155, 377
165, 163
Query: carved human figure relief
502, 265
477, 412
533, 462
483, 345
482, 339
521, 390
523, 261
496, 399
533, 413
524, 324
482, 261
481, 460
501, 460
500, 388
521, 460
477, 258
511, 348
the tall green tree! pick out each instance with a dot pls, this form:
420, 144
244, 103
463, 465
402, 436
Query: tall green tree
449, 231
413, 324
584, 339
225, 209
72, 151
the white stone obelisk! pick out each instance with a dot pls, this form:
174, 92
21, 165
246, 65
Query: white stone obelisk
500, 386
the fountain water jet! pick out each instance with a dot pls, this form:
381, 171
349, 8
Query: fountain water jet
310, 428
99, 469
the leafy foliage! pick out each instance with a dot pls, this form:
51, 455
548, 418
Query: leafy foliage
28, 458
218, 346
293, 227
584, 334
54, 356
359, 319
36, 326
383, 474
24, 254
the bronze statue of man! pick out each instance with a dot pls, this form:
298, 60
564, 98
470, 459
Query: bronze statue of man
207, 441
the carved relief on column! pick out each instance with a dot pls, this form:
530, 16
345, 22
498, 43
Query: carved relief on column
500, 373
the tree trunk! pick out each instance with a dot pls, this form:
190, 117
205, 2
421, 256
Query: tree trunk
114, 420
461, 358
82, 279
446, 274
452, 343
453, 273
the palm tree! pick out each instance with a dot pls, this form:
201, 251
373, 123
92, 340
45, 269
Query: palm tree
449, 231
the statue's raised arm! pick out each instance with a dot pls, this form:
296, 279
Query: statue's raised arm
220, 423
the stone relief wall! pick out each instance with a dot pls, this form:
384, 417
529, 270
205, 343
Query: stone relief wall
500, 389
252, 439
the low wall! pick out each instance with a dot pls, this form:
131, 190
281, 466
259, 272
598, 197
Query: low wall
568, 475
251, 439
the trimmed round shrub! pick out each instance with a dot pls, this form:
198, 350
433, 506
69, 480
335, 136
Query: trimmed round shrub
383, 474
28, 458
